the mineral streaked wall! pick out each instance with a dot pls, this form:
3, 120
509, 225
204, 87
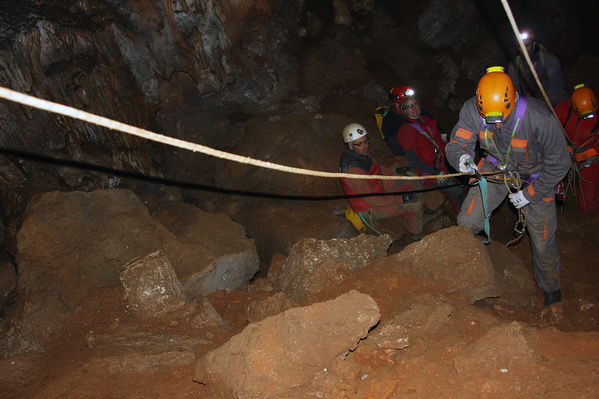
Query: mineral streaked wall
110, 59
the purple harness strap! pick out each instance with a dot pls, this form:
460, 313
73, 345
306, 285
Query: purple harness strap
520, 110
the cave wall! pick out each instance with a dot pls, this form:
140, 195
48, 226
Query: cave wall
154, 64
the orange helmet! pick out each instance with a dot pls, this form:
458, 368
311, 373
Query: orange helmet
401, 93
495, 95
584, 101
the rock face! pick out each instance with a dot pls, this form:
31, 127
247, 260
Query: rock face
210, 252
263, 360
72, 243
314, 264
148, 54
151, 285
454, 259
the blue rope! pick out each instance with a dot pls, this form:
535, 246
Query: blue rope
482, 183
368, 224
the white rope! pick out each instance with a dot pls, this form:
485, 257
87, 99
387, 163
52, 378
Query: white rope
49, 106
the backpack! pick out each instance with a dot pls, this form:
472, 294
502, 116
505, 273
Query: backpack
379, 114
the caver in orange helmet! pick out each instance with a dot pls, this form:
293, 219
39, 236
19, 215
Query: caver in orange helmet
495, 95
584, 102
401, 93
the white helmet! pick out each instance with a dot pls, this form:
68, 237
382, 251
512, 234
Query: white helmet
353, 131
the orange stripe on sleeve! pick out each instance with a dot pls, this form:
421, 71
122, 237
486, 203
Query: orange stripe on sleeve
531, 190
519, 143
548, 199
463, 134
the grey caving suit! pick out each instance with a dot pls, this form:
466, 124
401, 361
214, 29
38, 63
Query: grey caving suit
535, 147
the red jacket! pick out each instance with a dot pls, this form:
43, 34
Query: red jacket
425, 157
354, 163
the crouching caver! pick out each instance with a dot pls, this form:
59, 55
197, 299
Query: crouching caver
518, 135
357, 159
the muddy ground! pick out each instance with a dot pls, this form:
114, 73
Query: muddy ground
567, 342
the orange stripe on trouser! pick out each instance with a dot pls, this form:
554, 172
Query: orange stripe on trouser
471, 206
541, 225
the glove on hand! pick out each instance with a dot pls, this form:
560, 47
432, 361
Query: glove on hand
467, 164
518, 199
441, 179
583, 156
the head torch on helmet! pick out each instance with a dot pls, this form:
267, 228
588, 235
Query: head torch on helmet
584, 102
495, 95
400, 93
527, 35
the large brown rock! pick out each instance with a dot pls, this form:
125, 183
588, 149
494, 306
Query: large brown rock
285, 351
313, 265
426, 314
71, 243
455, 260
211, 252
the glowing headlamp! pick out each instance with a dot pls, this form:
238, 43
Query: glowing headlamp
525, 36
493, 117
588, 115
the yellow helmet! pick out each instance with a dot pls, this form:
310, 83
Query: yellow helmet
584, 101
495, 95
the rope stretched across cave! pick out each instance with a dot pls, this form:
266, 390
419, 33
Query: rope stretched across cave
75, 113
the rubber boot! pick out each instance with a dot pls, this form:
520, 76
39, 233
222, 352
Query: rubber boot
552, 297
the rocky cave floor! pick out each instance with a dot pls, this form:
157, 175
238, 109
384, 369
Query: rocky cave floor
565, 343
551, 354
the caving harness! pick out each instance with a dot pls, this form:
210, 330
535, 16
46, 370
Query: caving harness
439, 159
511, 178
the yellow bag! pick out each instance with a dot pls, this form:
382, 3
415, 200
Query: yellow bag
355, 220
379, 114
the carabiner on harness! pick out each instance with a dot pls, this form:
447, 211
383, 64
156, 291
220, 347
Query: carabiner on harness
519, 226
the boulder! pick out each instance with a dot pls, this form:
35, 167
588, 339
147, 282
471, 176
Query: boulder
264, 360
426, 314
72, 243
210, 253
455, 260
151, 285
313, 265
